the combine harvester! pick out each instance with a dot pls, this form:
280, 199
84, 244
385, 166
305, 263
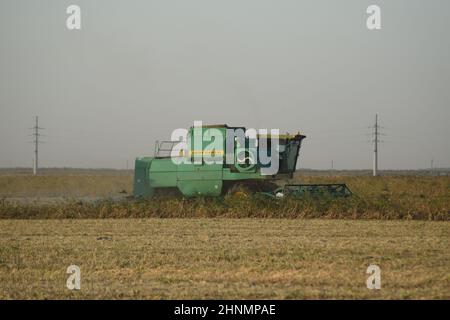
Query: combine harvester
161, 175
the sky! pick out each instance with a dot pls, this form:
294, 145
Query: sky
137, 70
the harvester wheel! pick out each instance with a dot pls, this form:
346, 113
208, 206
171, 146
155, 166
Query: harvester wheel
167, 193
238, 190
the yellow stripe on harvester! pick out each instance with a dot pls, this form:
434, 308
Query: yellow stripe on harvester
206, 152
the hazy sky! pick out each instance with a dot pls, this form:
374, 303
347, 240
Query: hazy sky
139, 69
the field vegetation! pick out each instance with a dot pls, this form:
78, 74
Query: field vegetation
104, 196
234, 247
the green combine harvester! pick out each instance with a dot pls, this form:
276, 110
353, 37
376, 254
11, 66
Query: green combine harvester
188, 174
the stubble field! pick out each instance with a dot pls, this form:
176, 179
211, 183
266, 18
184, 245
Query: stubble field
224, 258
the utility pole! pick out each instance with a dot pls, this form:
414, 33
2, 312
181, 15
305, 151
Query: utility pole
375, 148
376, 140
36, 142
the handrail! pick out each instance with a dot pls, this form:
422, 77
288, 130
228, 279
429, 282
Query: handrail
159, 146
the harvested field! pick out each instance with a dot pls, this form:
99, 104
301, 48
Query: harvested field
236, 247
224, 258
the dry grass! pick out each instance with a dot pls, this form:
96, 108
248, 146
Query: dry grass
412, 198
63, 185
224, 258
